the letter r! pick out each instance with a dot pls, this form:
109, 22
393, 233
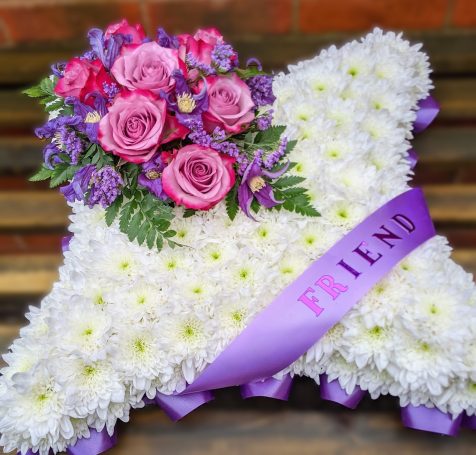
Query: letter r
328, 284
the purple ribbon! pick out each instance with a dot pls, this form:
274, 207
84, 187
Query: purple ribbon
332, 391
469, 422
322, 295
178, 406
278, 389
430, 419
65, 242
98, 442
428, 109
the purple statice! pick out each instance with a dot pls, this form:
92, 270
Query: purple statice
111, 90
166, 40
193, 62
68, 141
106, 185
263, 122
151, 176
76, 190
273, 158
224, 57
261, 89
56, 129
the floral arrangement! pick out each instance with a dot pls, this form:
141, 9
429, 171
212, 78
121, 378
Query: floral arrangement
140, 126
125, 323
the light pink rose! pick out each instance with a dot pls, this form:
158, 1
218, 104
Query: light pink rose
133, 127
198, 177
136, 32
200, 45
147, 66
229, 104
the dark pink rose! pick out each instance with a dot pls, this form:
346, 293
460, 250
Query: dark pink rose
76, 75
200, 45
229, 104
198, 177
146, 66
82, 77
136, 32
133, 127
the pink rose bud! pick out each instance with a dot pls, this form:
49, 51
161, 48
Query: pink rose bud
200, 45
198, 177
136, 32
230, 104
146, 66
75, 77
133, 127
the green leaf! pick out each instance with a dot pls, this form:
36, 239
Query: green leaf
159, 243
113, 210
126, 213
287, 181
150, 239
168, 234
62, 173
143, 230
255, 205
43, 174
246, 73
294, 191
232, 202
270, 137
290, 146
48, 86
134, 225
34, 92
307, 210
188, 213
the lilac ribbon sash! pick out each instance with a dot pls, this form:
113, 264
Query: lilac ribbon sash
430, 419
278, 389
322, 295
428, 109
178, 406
332, 391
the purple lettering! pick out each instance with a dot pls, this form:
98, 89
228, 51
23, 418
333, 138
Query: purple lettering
367, 254
310, 301
328, 284
404, 222
350, 269
385, 236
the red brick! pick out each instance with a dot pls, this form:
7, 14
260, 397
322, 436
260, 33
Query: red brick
232, 17
4, 40
59, 22
352, 15
464, 13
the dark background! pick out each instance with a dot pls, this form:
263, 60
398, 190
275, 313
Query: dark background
36, 33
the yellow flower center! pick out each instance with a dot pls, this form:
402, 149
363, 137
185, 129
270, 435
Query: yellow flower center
152, 174
257, 183
92, 117
186, 103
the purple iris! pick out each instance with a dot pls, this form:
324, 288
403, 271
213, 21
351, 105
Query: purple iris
150, 177
90, 116
166, 40
107, 50
253, 185
77, 188
186, 104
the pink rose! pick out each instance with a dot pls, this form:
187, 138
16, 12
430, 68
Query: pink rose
198, 177
132, 129
200, 45
136, 32
82, 77
229, 104
147, 66
76, 75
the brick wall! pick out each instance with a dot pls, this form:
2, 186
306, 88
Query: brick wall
26, 21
